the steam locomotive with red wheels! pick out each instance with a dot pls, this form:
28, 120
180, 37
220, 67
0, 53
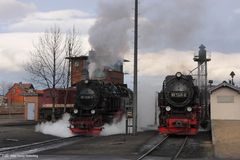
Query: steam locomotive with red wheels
98, 103
179, 106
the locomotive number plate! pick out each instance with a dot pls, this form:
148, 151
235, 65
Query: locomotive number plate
178, 94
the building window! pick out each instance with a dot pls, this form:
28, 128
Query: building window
225, 99
85, 64
76, 63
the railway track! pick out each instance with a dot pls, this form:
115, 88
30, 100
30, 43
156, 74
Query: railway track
40, 146
177, 151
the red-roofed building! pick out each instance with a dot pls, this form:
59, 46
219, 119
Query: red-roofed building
15, 94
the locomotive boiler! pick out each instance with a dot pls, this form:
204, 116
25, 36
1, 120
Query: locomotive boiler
179, 105
98, 103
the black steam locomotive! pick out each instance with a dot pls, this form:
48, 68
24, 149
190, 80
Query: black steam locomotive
179, 105
98, 103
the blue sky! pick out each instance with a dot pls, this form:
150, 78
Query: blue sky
170, 33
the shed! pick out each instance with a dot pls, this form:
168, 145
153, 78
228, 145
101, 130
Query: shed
225, 120
32, 103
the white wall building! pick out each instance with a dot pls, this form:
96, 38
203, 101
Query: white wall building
225, 120
225, 102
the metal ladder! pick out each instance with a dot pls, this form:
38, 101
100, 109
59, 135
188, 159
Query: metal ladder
129, 119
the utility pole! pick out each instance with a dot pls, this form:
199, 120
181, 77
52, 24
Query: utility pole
135, 69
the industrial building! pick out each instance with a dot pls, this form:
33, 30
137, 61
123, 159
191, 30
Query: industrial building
225, 120
109, 74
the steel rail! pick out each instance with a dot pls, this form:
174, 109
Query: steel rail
36, 145
180, 149
152, 149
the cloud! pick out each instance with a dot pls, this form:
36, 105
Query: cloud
170, 61
14, 53
164, 62
11, 10
66, 19
15, 48
222, 64
176, 25
186, 23
58, 15
170, 24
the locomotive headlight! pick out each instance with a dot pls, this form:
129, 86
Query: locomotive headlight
75, 111
93, 111
86, 81
178, 74
168, 108
189, 109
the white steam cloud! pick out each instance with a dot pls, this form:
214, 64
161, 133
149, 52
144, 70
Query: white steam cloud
91, 69
58, 128
109, 35
117, 127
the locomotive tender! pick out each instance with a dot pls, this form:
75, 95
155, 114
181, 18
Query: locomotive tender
98, 103
179, 106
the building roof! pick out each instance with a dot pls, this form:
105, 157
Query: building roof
86, 58
33, 93
39, 91
226, 85
77, 58
59, 89
25, 87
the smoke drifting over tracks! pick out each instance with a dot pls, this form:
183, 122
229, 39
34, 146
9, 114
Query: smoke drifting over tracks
114, 128
59, 128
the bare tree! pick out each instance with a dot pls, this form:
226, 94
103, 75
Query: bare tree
4, 87
47, 66
73, 48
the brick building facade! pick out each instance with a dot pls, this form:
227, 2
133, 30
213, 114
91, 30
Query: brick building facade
15, 94
109, 74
